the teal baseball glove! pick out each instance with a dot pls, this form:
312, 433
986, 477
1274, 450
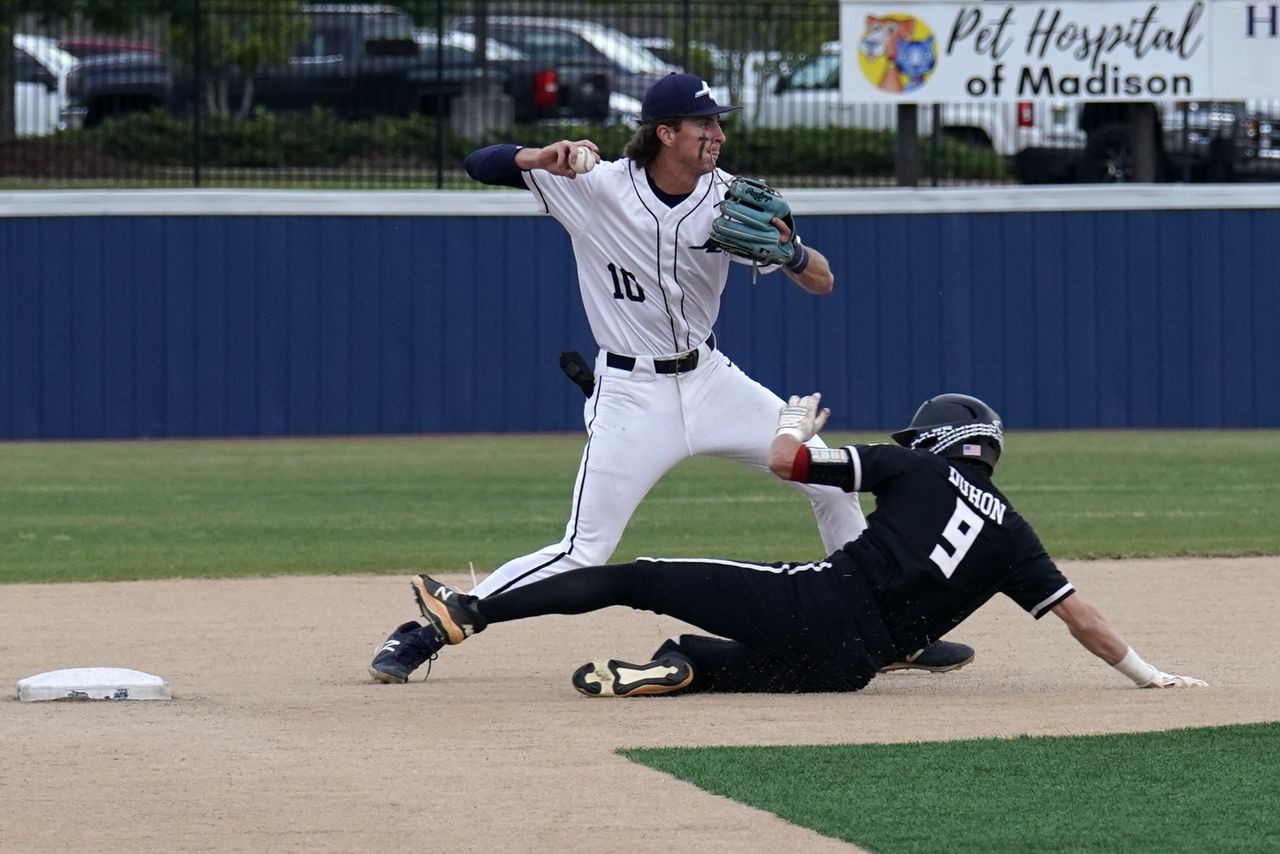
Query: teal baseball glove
745, 224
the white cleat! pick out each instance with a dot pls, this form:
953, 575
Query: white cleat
613, 678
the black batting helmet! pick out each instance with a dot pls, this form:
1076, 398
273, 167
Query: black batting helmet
955, 425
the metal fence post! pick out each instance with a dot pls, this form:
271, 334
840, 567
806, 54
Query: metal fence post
197, 128
935, 143
907, 156
440, 99
1185, 109
1144, 142
686, 24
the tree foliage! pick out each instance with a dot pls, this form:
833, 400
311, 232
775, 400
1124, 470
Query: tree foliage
235, 41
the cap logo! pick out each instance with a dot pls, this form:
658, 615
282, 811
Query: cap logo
705, 90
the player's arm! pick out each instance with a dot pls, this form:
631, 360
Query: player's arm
856, 468
501, 165
810, 268
798, 422
495, 165
782, 455
1091, 629
554, 158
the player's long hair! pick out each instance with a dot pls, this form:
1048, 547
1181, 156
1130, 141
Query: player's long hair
644, 145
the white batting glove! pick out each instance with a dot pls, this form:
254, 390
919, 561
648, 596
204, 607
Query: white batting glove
1172, 680
800, 417
1144, 675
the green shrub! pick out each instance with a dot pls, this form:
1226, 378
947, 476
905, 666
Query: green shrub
319, 139
156, 137
264, 140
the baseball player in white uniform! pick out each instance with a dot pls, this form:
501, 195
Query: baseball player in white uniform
651, 285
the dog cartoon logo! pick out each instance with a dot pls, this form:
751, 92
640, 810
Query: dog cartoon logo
897, 53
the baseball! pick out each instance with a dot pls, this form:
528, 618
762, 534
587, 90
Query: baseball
584, 160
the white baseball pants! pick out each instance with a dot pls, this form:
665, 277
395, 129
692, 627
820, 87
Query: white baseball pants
640, 424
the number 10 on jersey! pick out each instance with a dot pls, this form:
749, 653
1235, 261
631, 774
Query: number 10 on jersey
625, 280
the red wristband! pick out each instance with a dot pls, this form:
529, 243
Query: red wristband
800, 465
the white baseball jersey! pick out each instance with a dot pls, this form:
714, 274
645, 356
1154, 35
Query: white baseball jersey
650, 284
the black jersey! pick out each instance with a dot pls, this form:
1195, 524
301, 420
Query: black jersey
943, 540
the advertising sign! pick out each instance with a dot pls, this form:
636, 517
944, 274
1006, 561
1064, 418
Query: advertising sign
1095, 51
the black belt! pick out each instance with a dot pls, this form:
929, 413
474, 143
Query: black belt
679, 365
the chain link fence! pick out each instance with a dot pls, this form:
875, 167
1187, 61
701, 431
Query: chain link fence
280, 93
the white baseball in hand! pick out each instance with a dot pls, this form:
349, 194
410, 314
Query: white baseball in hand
584, 160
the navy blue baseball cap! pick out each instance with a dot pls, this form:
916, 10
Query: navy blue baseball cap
680, 95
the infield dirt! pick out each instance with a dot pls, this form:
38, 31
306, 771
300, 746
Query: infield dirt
278, 741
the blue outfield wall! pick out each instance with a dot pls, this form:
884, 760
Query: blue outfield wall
124, 316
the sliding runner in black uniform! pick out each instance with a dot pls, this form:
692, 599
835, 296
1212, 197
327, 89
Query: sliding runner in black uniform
942, 541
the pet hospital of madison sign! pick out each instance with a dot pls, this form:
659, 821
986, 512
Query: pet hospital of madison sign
912, 52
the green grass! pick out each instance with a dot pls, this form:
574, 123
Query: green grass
1122, 494
1193, 790
127, 510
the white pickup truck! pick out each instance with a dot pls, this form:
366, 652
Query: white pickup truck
39, 84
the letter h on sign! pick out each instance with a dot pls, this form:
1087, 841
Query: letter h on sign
1270, 17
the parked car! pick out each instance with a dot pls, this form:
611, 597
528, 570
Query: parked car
540, 88
1258, 142
40, 69
1195, 140
566, 41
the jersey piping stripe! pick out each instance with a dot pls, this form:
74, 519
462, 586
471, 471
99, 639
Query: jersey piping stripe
582, 488
784, 569
675, 263
546, 208
1058, 595
657, 254
857, 467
